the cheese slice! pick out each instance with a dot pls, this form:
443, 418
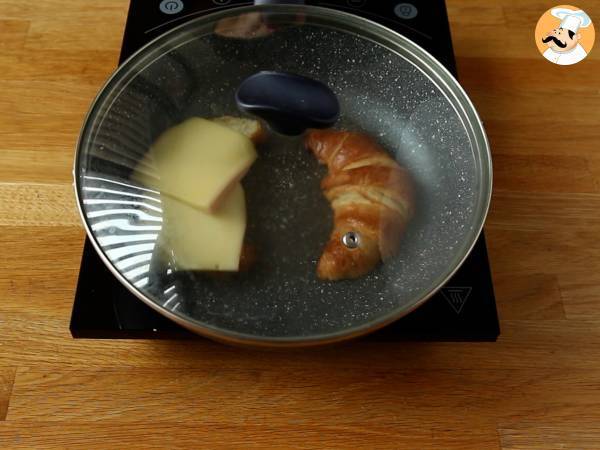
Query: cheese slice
199, 162
205, 241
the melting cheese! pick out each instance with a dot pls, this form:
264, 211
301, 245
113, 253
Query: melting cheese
199, 162
205, 241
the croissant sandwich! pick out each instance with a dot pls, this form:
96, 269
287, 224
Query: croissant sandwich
372, 199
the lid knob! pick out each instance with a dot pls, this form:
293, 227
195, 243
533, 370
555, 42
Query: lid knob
289, 103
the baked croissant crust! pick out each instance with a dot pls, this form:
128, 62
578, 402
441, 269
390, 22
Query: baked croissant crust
372, 199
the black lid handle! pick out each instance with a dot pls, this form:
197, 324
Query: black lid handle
289, 103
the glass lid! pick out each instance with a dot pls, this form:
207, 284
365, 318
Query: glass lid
203, 205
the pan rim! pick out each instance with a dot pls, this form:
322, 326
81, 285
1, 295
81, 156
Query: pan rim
473, 124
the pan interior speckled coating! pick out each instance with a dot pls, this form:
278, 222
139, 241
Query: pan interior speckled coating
388, 87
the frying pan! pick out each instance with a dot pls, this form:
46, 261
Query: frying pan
387, 87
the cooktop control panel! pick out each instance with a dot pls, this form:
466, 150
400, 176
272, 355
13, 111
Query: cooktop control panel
423, 21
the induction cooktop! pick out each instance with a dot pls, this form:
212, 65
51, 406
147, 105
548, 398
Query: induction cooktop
463, 310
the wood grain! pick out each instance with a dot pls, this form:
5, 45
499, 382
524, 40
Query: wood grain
545, 173
460, 436
538, 387
7, 379
532, 296
37, 205
369, 397
550, 434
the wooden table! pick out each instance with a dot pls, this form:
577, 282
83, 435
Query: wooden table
537, 387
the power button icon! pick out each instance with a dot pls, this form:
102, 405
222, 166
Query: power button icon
171, 6
406, 11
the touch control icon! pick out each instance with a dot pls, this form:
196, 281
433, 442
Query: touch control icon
171, 6
406, 11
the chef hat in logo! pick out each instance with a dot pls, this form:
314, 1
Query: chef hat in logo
572, 19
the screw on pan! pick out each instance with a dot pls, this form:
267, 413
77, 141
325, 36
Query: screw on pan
351, 240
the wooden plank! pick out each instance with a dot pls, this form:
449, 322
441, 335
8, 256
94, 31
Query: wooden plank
85, 30
500, 42
594, 167
515, 251
500, 103
527, 211
580, 291
528, 13
540, 173
147, 435
38, 205
461, 14
62, 9
55, 102
41, 165
531, 296
500, 73
14, 33
279, 395
65, 65
543, 136
502, 28
578, 432
52, 112
39, 264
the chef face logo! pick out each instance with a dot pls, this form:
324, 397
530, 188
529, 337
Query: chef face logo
561, 40
565, 35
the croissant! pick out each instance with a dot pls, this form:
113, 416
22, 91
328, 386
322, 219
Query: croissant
372, 199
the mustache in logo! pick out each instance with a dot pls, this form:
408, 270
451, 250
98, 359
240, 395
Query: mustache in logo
556, 41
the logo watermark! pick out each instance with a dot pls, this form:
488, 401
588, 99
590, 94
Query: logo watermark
565, 35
